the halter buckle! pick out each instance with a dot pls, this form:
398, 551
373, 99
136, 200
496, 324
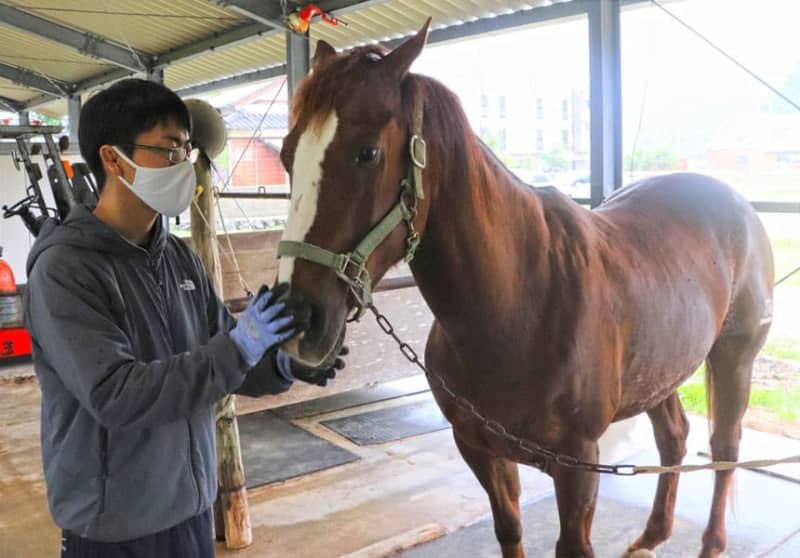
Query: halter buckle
419, 151
359, 283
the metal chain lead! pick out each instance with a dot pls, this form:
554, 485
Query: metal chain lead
543, 456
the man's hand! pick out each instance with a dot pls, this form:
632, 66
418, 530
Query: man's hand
265, 324
318, 376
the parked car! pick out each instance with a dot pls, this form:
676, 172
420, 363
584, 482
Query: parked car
542, 180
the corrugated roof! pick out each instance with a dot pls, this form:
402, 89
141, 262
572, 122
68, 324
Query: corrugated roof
156, 27
11, 90
152, 26
398, 18
256, 54
241, 120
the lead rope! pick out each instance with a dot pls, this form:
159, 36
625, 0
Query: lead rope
543, 456
230, 252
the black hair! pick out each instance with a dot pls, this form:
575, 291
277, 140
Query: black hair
118, 114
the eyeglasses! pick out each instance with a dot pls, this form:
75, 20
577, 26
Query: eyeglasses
174, 154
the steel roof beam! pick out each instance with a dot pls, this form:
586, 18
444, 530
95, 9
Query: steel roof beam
40, 100
268, 13
241, 79
85, 43
341, 7
32, 80
11, 105
216, 41
249, 31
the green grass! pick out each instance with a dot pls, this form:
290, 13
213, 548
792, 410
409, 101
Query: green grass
784, 348
784, 403
786, 252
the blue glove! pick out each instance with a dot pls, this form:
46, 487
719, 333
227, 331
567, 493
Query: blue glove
263, 326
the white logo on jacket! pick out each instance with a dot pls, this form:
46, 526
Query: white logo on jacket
186, 285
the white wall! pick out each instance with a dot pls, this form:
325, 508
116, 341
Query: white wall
14, 237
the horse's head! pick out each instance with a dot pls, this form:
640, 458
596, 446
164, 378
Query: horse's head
356, 185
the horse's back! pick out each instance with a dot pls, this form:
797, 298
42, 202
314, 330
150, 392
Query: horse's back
679, 195
693, 207
698, 263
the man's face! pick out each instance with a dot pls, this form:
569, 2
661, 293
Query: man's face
164, 136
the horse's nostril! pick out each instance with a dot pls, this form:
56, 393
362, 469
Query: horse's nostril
314, 314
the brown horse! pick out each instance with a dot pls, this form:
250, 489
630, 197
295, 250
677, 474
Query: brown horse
553, 320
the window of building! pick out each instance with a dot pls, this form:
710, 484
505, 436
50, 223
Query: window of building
540, 108
565, 109
501, 106
484, 105
539, 140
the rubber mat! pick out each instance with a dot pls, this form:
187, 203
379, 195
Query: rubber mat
394, 423
354, 398
765, 522
275, 450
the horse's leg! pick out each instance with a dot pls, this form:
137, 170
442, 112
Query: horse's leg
576, 494
728, 373
671, 428
500, 478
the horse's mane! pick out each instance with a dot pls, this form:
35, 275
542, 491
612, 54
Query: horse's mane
446, 128
319, 93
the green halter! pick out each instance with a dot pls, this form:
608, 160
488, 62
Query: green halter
351, 267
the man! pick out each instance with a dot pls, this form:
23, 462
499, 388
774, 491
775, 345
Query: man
132, 347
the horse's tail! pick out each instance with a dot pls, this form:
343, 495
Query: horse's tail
710, 395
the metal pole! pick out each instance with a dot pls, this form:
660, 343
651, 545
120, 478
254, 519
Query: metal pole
605, 98
298, 57
74, 115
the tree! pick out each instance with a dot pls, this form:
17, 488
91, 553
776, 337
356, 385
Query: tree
555, 160
659, 158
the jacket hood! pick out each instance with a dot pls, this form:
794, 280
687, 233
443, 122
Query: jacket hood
81, 229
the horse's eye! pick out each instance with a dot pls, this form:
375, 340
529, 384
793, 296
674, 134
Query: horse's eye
368, 156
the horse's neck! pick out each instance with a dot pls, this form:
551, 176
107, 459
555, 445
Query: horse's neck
486, 239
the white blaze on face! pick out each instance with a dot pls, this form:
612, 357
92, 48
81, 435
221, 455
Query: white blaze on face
306, 179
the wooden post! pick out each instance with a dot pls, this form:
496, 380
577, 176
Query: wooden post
231, 512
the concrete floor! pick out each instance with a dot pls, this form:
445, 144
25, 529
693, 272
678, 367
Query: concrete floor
397, 495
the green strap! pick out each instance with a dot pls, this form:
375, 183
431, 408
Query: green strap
310, 252
379, 233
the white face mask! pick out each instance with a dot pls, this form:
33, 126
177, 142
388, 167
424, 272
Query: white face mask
168, 190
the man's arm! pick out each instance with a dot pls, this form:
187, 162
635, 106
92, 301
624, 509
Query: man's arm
265, 378
72, 326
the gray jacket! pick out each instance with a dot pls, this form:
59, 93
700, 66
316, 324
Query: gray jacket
131, 349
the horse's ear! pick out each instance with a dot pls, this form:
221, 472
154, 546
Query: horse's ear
323, 53
400, 59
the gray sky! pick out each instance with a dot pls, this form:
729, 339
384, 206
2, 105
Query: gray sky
691, 90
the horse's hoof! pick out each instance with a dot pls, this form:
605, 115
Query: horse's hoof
641, 553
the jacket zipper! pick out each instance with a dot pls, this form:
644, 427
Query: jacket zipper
159, 280
160, 284
161, 294
103, 468
191, 464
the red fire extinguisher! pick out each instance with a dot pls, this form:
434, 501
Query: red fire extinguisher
14, 339
300, 20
